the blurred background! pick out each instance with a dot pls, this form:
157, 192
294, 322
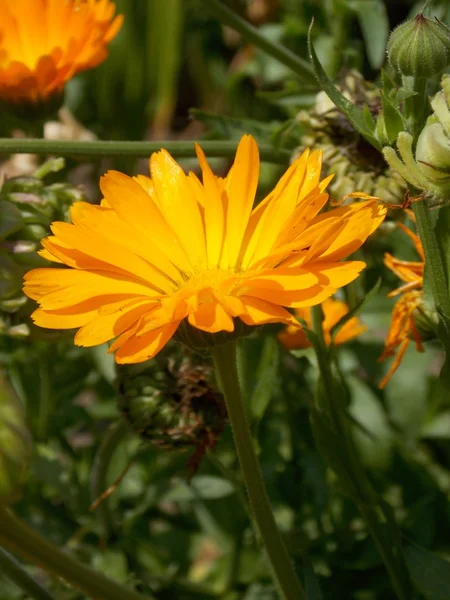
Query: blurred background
177, 524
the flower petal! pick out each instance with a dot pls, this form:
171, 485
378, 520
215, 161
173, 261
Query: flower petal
140, 349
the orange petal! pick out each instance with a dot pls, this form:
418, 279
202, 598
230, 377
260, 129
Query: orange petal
140, 349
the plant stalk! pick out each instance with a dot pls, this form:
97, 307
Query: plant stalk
289, 585
143, 149
372, 510
13, 570
298, 65
21, 539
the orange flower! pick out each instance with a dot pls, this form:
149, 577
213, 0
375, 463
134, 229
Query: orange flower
171, 250
333, 310
403, 327
43, 43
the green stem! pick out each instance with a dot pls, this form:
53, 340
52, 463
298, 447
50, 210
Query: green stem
19, 538
228, 17
280, 561
371, 508
434, 262
100, 467
17, 574
100, 148
416, 108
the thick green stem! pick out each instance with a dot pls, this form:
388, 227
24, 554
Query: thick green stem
283, 569
99, 474
228, 17
10, 568
434, 262
371, 508
100, 148
21, 539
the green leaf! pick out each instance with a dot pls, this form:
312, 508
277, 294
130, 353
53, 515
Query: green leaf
443, 331
312, 585
258, 361
10, 219
10, 276
353, 113
232, 128
429, 572
356, 309
393, 119
374, 23
207, 487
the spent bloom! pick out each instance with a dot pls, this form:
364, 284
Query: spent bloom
403, 326
44, 43
172, 252
294, 338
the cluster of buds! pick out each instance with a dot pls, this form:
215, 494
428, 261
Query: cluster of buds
429, 169
173, 404
27, 208
355, 163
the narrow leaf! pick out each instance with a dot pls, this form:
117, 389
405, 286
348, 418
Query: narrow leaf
353, 113
429, 572
354, 311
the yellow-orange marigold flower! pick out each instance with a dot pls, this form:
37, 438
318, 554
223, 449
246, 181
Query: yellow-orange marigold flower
43, 43
169, 249
294, 338
403, 327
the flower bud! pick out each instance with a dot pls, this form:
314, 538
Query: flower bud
420, 47
176, 408
15, 443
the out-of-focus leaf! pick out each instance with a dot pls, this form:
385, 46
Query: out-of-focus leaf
208, 487
374, 22
258, 362
438, 427
356, 309
10, 219
374, 438
312, 585
164, 35
232, 128
429, 572
105, 362
10, 276
113, 564
353, 113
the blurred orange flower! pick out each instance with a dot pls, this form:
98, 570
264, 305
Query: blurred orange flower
333, 311
43, 43
403, 327
171, 251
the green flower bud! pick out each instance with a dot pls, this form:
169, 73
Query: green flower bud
15, 443
420, 47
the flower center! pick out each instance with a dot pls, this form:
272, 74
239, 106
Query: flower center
205, 283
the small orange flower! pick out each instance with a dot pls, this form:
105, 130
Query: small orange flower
403, 327
333, 311
171, 250
43, 43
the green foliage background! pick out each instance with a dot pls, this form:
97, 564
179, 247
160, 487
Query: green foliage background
180, 534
